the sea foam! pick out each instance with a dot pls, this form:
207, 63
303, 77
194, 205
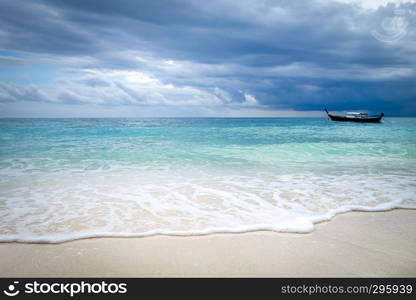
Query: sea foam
53, 209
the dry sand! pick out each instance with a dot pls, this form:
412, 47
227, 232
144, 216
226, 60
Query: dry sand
358, 244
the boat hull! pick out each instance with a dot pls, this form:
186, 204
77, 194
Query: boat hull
358, 120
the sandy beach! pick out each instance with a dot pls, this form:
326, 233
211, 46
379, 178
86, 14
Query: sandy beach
357, 244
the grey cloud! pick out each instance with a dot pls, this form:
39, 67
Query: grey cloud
10, 92
270, 49
94, 82
11, 61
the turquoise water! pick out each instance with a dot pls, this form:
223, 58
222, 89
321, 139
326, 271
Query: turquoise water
70, 178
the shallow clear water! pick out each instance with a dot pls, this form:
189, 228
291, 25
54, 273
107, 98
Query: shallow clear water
62, 179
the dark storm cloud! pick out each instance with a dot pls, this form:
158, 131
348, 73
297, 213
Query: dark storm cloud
288, 54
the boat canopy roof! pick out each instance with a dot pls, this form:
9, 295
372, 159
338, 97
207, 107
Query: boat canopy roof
357, 113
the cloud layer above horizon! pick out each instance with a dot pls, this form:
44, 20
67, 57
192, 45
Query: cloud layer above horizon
206, 58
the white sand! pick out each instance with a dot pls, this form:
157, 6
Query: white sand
355, 244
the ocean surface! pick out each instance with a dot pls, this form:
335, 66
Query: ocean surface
62, 179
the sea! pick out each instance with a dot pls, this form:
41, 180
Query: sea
65, 179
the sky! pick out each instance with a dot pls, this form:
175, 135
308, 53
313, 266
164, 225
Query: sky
217, 58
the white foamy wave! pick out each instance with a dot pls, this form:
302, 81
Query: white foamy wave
56, 207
